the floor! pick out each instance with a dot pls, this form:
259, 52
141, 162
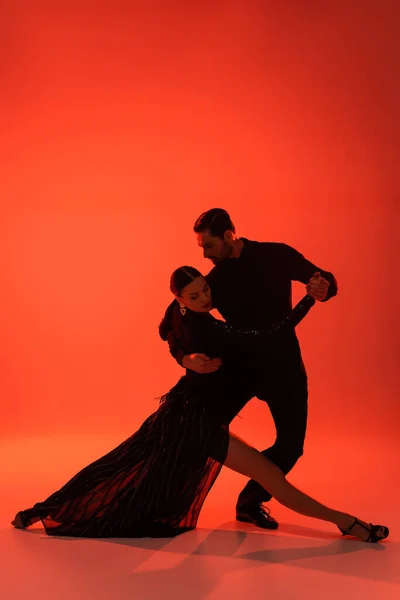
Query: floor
222, 558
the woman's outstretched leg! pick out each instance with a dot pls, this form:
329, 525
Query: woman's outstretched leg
248, 461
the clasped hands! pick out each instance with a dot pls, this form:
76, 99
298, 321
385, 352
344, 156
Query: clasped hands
317, 287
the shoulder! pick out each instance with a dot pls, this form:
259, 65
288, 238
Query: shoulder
175, 321
169, 320
194, 328
266, 248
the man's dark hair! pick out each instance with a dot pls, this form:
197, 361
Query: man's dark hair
216, 220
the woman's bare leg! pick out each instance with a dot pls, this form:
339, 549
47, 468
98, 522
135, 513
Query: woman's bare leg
248, 461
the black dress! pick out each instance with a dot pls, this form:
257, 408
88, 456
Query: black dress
154, 484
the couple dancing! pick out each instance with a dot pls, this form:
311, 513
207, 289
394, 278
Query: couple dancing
154, 484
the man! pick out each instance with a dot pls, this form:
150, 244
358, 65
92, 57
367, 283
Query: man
251, 285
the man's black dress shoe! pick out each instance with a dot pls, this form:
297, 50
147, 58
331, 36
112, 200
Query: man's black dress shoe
256, 514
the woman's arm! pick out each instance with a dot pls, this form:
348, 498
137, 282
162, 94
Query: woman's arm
228, 335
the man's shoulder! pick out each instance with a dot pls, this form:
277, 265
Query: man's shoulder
263, 247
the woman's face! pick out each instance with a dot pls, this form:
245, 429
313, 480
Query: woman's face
196, 296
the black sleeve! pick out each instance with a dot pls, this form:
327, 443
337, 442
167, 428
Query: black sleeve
177, 352
301, 269
167, 334
166, 324
226, 335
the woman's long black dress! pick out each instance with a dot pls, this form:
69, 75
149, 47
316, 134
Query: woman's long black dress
155, 483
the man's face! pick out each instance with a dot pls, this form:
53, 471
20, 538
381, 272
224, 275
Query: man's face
214, 248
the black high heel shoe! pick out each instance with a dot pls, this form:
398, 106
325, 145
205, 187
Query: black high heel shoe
373, 530
25, 518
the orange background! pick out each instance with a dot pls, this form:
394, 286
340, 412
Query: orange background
121, 122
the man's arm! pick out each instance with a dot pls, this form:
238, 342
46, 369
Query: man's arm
200, 363
301, 269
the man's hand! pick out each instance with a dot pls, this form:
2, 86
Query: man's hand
201, 363
317, 287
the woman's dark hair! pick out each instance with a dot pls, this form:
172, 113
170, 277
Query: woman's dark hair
216, 220
180, 278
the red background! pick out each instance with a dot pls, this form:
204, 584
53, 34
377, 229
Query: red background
121, 122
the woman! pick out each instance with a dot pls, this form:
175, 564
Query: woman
154, 484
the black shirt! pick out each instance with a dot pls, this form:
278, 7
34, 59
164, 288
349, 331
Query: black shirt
228, 388
255, 289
